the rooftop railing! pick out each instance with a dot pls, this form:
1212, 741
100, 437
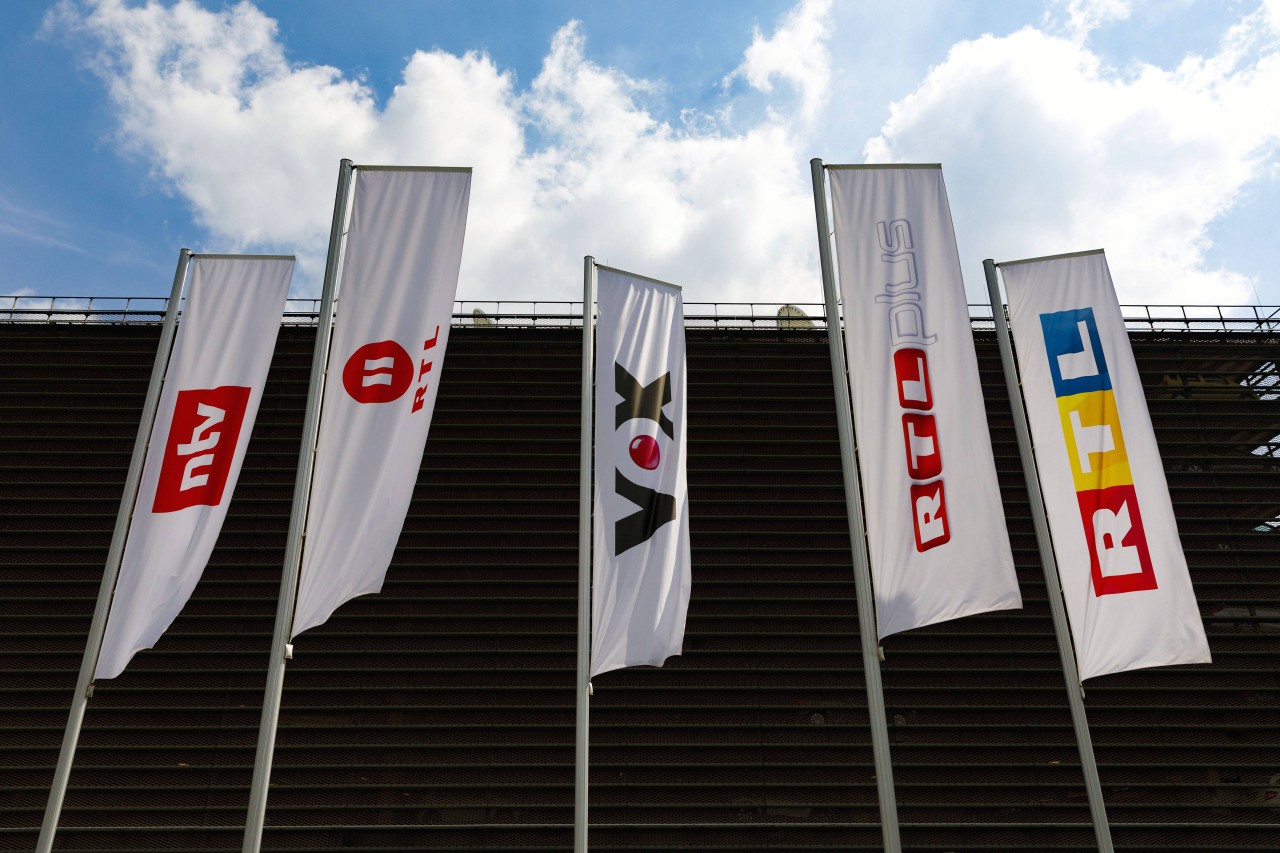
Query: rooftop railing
303, 312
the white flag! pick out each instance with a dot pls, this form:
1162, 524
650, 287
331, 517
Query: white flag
935, 521
1124, 576
641, 564
399, 278
212, 388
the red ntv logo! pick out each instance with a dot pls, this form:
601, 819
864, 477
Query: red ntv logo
201, 445
381, 372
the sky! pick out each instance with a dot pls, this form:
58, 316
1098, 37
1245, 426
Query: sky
667, 138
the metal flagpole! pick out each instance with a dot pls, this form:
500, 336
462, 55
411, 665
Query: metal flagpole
115, 553
1053, 586
857, 535
581, 729
280, 648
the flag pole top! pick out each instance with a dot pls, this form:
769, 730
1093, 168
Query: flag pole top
873, 166
1086, 253
226, 257
656, 281
466, 169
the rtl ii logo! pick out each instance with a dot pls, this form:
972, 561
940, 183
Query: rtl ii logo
382, 372
200, 448
656, 509
1119, 558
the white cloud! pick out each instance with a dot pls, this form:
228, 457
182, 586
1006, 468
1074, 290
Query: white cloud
1046, 149
1085, 16
796, 52
1055, 153
632, 190
253, 142
210, 101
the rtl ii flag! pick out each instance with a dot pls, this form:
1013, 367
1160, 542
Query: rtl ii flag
938, 544
212, 388
395, 302
641, 563
1124, 576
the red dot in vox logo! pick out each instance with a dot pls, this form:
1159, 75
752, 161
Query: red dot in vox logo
378, 373
644, 452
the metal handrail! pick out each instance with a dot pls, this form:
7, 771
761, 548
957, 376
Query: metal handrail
149, 310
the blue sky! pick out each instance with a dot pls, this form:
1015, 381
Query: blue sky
669, 138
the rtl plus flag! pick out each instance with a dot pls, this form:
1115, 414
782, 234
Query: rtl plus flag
641, 563
212, 388
1124, 576
395, 302
938, 544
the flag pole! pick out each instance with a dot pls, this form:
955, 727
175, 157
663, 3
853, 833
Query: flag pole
280, 648
115, 553
1053, 585
581, 726
857, 534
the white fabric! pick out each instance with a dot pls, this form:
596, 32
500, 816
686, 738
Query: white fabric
214, 379
935, 522
640, 590
1093, 436
399, 278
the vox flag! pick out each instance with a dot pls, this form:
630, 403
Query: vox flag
641, 563
212, 388
939, 548
1124, 576
395, 303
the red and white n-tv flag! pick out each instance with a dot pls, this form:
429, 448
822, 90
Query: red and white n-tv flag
395, 302
1124, 576
641, 563
212, 388
938, 543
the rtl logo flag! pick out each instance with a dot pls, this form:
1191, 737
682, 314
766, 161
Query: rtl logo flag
938, 544
212, 388
641, 565
1124, 576
395, 302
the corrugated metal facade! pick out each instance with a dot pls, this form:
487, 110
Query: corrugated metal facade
439, 715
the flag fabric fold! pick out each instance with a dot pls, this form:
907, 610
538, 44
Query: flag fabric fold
641, 560
212, 388
1124, 576
939, 548
394, 307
